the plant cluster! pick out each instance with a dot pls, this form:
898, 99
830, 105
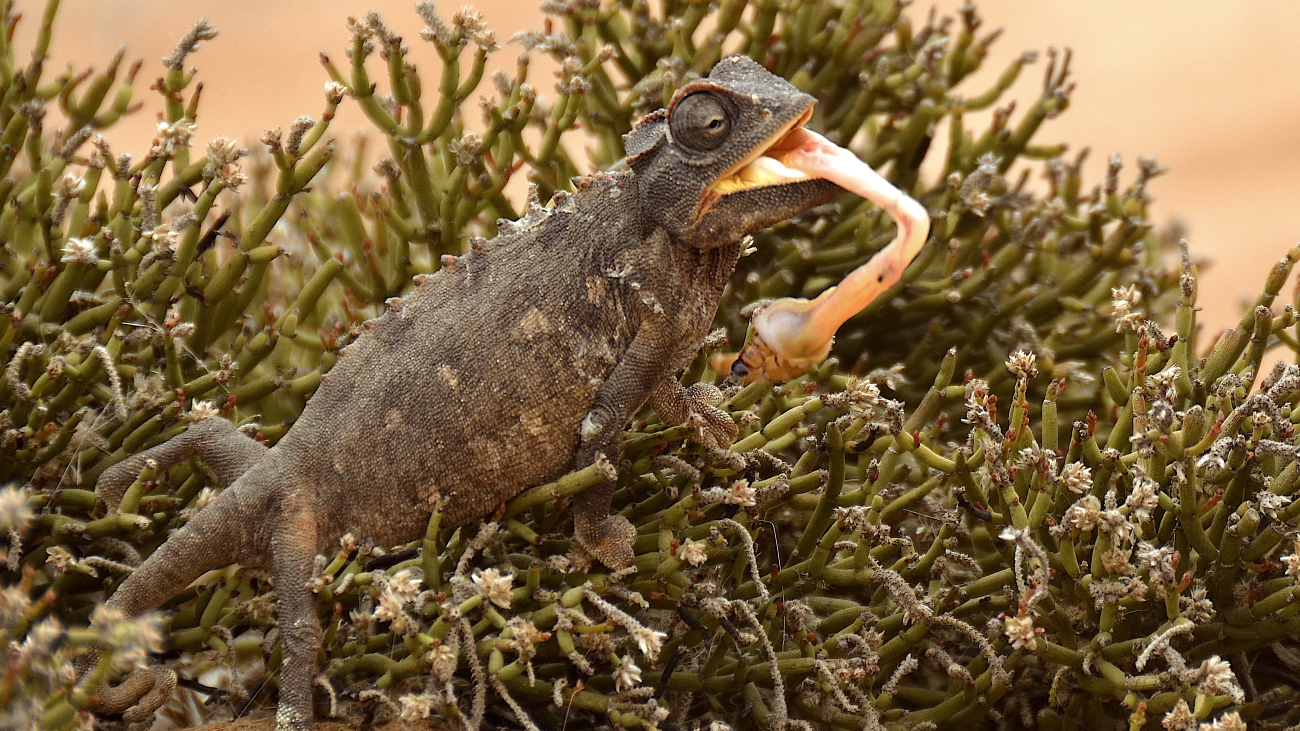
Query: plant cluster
882, 547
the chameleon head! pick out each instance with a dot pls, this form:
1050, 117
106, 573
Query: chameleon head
730, 155
793, 334
706, 166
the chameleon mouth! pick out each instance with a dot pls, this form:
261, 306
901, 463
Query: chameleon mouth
765, 166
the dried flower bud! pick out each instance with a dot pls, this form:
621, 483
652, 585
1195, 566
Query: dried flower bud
202, 31
334, 93
1023, 365
82, 250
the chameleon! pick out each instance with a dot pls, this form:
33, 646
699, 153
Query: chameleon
523, 360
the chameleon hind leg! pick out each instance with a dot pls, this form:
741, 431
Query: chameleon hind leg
228, 454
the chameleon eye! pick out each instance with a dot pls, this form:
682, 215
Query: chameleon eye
700, 121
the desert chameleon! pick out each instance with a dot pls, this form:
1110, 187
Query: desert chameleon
523, 360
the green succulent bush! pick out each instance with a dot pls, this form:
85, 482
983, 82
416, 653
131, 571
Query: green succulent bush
883, 546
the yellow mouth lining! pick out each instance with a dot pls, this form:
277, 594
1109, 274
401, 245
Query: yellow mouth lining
763, 166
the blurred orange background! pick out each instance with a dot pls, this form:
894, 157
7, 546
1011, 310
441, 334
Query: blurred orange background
1211, 88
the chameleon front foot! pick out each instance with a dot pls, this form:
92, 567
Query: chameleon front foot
697, 408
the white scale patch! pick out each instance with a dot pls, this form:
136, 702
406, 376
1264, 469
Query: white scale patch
393, 419
447, 374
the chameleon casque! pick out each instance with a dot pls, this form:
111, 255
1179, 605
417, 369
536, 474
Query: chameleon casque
524, 360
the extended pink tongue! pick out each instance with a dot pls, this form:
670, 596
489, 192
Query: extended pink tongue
818, 157
799, 331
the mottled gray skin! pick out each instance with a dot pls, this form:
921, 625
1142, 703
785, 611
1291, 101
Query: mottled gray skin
524, 360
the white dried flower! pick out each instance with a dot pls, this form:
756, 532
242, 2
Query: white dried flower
405, 584
891, 377
1023, 365
470, 24
692, 552
650, 641
205, 496
231, 177
1230, 721
66, 189
494, 586
1116, 561
415, 706
223, 151
1021, 631
1159, 561
860, 396
525, 638
201, 410
132, 638
172, 135
465, 150
58, 560
1179, 717
1197, 606
1273, 504
1292, 561
82, 250
1084, 515
389, 609
164, 240
15, 514
1163, 383
442, 661
1123, 299
1114, 523
1144, 497
852, 517
1217, 678
627, 675
223, 163
1077, 477
69, 186
741, 494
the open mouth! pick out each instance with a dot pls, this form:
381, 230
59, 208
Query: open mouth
765, 166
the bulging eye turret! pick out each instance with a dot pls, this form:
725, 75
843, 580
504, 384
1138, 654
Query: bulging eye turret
700, 121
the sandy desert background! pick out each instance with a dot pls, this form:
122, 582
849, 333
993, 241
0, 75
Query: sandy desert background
1211, 88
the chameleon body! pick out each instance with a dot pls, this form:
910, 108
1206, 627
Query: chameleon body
522, 361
